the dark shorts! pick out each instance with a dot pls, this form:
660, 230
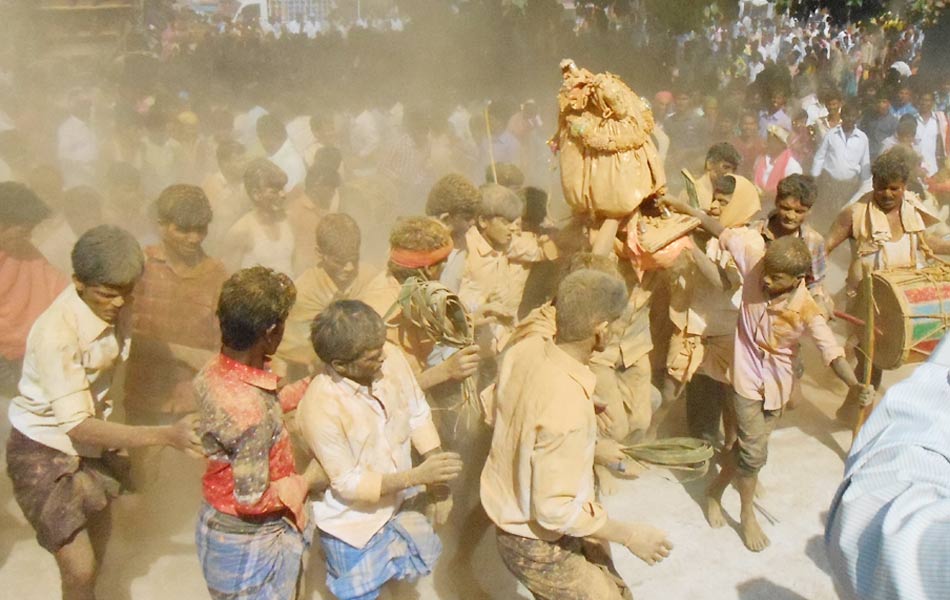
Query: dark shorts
755, 425
57, 492
568, 569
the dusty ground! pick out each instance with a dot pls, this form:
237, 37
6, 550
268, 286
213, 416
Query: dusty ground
152, 556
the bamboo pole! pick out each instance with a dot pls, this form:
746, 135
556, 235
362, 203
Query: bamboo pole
869, 334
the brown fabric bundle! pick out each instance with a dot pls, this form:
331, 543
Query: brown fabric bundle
609, 163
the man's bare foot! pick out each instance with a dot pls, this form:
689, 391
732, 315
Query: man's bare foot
752, 534
647, 543
714, 514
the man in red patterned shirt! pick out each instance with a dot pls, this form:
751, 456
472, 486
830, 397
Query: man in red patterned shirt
252, 529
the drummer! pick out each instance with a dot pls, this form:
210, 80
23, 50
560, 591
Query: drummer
888, 230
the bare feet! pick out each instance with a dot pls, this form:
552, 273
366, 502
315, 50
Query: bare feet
714, 514
752, 534
647, 543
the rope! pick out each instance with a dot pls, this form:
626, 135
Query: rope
680, 453
439, 313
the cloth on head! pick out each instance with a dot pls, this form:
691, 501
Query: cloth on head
419, 259
244, 560
743, 206
405, 548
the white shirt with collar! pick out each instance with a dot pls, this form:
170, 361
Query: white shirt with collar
292, 163
70, 363
928, 136
843, 156
360, 434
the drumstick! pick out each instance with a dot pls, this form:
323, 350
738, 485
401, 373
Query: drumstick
491, 151
868, 283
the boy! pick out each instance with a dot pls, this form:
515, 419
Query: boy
362, 417
703, 310
419, 247
252, 527
338, 275
795, 196
776, 311
454, 201
60, 454
491, 288
537, 484
264, 235
174, 330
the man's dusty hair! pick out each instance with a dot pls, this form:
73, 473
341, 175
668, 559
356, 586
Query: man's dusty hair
251, 301
499, 201
788, 254
594, 262
107, 255
585, 299
345, 330
453, 194
509, 175
724, 152
184, 206
798, 186
19, 205
889, 167
261, 173
422, 234
338, 234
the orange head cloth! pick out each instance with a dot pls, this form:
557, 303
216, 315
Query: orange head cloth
418, 259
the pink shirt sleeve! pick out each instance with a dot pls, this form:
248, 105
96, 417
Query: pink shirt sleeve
745, 245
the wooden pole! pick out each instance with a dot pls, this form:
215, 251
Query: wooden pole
867, 283
491, 150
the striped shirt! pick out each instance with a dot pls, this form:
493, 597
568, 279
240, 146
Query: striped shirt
888, 531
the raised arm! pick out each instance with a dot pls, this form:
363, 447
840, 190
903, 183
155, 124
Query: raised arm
840, 230
710, 224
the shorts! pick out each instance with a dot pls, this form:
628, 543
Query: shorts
755, 425
58, 492
568, 569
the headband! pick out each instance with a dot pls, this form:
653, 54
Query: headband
418, 259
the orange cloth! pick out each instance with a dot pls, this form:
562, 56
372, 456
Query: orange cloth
28, 285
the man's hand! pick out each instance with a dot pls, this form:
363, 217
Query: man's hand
292, 491
609, 453
604, 423
440, 467
462, 364
183, 436
676, 206
861, 394
646, 542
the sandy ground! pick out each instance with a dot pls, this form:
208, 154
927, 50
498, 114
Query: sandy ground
152, 555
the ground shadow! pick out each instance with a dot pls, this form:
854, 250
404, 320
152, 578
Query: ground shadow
763, 589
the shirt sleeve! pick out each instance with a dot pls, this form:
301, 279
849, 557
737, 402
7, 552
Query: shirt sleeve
866, 162
423, 433
291, 395
324, 434
745, 245
63, 378
824, 338
562, 495
818, 164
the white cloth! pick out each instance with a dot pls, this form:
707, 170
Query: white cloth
843, 156
70, 362
888, 532
263, 250
300, 134
292, 163
245, 129
77, 148
359, 434
928, 135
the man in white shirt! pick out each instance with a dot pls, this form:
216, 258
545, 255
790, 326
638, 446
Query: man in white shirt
842, 162
77, 145
61, 452
281, 151
928, 133
361, 417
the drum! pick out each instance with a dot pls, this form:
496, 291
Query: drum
912, 313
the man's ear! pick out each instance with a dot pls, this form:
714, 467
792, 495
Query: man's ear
482, 222
339, 367
80, 286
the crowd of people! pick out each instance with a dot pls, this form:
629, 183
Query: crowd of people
365, 306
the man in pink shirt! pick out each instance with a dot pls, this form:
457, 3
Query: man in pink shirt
775, 312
